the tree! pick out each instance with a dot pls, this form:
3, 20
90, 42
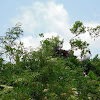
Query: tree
50, 45
77, 29
8, 42
94, 32
41, 76
77, 44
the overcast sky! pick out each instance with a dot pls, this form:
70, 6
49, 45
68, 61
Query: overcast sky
51, 17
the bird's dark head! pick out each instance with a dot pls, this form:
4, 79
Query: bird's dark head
89, 52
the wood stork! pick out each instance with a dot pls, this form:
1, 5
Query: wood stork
86, 56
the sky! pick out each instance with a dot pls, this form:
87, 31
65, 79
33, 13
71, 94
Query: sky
51, 17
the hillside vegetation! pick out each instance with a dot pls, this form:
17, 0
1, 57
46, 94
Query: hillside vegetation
50, 73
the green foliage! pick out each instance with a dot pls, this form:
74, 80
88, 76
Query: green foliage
37, 75
8, 42
1, 63
92, 75
11, 36
94, 32
77, 44
41, 35
96, 65
48, 45
78, 28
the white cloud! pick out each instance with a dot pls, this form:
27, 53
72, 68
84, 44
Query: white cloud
52, 20
48, 18
30, 41
49, 35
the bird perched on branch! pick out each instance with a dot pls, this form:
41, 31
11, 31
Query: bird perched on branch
86, 56
88, 65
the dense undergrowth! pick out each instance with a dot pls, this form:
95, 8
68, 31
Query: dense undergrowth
40, 75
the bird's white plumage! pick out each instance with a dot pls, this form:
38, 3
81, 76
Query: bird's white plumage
86, 56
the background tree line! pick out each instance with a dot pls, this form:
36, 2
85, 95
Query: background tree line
50, 73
